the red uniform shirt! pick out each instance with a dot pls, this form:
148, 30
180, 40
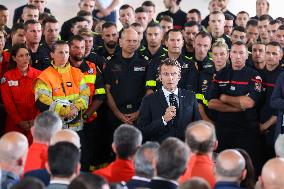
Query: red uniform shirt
4, 63
117, 171
18, 98
199, 166
37, 157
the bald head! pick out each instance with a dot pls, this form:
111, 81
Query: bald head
230, 165
66, 135
129, 42
271, 174
13, 151
201, 137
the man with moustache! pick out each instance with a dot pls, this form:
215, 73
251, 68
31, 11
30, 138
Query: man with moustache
190, 30
110, 41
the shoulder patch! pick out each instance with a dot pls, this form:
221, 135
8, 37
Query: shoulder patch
3, 80
188, 58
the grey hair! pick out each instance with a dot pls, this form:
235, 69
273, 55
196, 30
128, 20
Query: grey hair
46, 125
143, 164
172, 158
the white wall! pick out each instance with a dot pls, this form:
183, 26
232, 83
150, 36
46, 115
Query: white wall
65, 9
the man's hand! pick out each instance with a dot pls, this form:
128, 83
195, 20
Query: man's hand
132, 117
73, 112
170, 113
122, 117
25, 125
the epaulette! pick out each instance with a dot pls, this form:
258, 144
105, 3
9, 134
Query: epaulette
249, 52
228, 36
142, 49
165, 49
188, 58
210, 58
163, 55
7, 50
95, 33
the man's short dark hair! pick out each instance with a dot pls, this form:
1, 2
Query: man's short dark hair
140, 9
75, 38
28, 183
229, 17
243, 12
154, 25
31, 7
49, 19
193, 23
195, 11
83, 13
87, 181
16, 27
108, 25
78, 19
63, 159
172, 158
148, 4
204, 34
275, 21
166, 37
168, 62
275, 44
281, 27
240, 29
239, 43
126, 139
3, 8
125, 6
136, 24
28, 22
265, 17
251, 22
281, 19
178, 2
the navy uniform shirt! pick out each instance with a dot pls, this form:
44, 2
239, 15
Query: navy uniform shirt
268, 83
147, 54
127, 80
97, 59
225, 37
102, 51
236, 83
40, 58
206, 63
188, 73
179, 18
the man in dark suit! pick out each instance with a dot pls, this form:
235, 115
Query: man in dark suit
171, 163
63, 164
168, 111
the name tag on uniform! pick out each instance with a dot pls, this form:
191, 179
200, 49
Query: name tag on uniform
139, 69
185, 66
69, 84
233, 88
13, 83
208, 66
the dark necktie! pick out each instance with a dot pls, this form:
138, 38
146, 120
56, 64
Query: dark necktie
173, 100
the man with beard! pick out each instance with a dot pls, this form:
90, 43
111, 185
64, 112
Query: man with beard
110, 40
190, 30
154, 35
93, 79
174, 42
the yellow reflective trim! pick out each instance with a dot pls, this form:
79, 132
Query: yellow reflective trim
100, 91
201, 97
41, 85
90, 78
151, 83
67, 97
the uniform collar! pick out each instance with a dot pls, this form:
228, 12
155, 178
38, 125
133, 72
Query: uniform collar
30, 74
164, 179
60, 69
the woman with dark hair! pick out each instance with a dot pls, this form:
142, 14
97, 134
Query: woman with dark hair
249, 181
17, 92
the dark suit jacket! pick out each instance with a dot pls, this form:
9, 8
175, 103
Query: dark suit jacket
154, 106
161, 184
136, 183
41, 174
227, 185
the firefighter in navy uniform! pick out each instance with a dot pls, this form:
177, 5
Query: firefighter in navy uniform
154, 49
220, 57
234, 95
125, 75
110, 41
93, 79
191, 29
268, 116
189, 75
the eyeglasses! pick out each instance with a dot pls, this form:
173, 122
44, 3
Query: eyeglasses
166, 74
